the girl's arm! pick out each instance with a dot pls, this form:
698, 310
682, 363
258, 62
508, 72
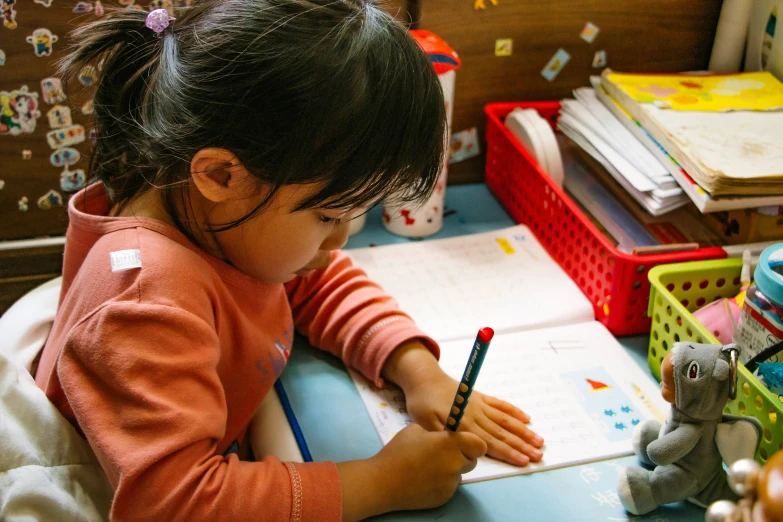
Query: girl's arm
143, 385
341, 311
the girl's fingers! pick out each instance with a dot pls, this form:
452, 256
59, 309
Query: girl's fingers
514, 426
506, 407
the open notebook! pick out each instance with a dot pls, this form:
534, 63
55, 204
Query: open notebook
549, 356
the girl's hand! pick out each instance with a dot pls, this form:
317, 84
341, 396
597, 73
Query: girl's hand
500, 424
429, 394
417, 469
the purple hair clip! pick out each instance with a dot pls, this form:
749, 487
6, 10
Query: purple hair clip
158, 20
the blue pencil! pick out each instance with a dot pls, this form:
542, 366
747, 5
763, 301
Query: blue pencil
469, 377
289, 413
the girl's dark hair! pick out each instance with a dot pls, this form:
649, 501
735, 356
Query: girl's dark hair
301, 91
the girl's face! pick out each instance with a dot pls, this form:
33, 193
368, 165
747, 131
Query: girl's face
279, 243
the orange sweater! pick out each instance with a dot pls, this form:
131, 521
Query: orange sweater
162, 366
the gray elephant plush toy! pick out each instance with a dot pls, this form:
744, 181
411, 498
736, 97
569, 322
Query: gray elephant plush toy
688, 451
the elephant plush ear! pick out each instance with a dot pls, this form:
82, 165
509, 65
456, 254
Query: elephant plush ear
721, 370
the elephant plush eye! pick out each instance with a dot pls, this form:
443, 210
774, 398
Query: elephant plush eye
693, 370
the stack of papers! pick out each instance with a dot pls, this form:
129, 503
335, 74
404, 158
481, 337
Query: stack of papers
588, 122
723, 131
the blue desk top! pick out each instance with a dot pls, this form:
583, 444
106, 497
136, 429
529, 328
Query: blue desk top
336, 426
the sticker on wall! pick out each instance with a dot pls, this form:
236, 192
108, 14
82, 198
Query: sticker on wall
464, 145
555, 64
98, 8
479, 4
589, 32
45, 3
87, 75
2, 184
50, 200
168, 5
2, 57
18, 111
93, 137
65, 157
82, 7
52, 90
27, 154
504, 47
72, 180
42, 41
22, 204
88, 107
9, 14
65, 136
59, 116
599, 59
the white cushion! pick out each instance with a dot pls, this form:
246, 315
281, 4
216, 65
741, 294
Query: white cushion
47, 470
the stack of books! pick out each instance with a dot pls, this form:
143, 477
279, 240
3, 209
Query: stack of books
718, 136
587, 122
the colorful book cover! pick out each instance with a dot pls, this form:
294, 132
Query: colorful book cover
758, 91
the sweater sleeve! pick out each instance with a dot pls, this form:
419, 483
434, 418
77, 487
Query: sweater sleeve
142, 382
341, 311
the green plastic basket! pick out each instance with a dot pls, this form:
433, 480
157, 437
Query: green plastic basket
679, 289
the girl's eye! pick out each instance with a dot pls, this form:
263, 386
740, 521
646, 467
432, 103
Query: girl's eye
329, 220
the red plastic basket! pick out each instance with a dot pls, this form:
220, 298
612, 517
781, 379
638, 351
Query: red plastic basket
615, 282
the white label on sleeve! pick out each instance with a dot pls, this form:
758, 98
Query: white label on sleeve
125, 260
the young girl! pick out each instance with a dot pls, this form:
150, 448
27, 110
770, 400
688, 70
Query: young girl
234, 145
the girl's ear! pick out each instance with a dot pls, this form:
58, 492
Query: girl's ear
219, 175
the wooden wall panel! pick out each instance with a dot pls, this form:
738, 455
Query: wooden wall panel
34, 177
638, 36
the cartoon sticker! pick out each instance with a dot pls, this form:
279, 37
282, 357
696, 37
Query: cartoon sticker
65, 136
65, 157
9, 14
45, 3
52, 90
18, 111
168, 5
72, 180
479, 4
504, 47
98, 8
599, 59
87, 75
59, 116
42, 41
589, 32
82, 7
27, 154
2, 57
93, 137
555, 64
464, 145
2, 184
50, 200
22, 204
88, 107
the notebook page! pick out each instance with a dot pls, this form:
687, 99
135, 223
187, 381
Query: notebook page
452, 287
583, 392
